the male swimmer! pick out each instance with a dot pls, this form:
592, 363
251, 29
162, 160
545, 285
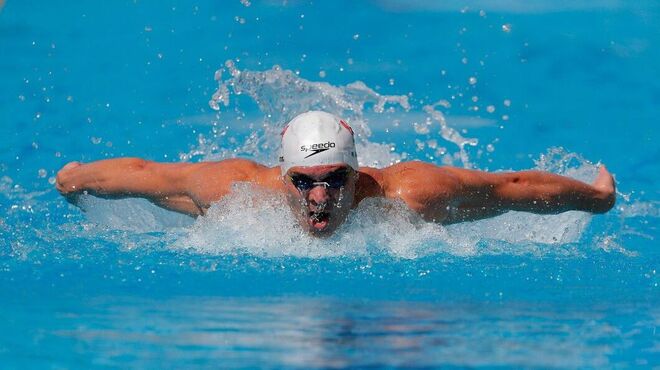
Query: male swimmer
320, 176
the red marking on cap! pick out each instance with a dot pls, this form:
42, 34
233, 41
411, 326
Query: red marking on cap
284, 130
346, 126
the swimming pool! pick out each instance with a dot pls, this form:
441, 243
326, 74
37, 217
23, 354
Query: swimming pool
504, 86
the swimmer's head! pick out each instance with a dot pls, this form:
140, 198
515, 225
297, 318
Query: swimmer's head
319, 169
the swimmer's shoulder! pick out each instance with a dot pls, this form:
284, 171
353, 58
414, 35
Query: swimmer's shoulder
415, 178
240, 169
209, 181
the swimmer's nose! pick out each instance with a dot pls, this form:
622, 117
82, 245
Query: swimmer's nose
318, 195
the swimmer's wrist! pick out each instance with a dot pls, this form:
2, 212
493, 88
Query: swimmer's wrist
603, 201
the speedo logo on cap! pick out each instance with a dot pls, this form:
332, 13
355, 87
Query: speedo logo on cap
316, 148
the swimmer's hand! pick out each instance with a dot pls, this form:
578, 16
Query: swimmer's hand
605, 195
66, 183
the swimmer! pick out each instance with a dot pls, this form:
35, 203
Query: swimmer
320, 176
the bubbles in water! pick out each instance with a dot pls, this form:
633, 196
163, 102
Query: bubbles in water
506, 27
472, 80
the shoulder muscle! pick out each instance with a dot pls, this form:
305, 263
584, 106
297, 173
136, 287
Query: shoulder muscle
426, 188
209, 181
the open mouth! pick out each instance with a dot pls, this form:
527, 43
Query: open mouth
318, 220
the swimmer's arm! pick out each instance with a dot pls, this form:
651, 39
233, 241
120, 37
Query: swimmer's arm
483, 194
165, 184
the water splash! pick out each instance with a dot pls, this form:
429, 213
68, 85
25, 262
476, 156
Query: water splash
450, 134
280, 95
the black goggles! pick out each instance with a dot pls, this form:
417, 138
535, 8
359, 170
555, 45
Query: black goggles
334, 180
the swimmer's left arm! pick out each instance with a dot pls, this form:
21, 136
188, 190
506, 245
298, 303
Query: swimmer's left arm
483, 194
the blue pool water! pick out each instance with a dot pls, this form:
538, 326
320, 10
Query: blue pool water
489, 85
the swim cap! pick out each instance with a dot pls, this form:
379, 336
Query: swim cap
317, 138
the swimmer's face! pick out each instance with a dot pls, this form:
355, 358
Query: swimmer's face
321, 196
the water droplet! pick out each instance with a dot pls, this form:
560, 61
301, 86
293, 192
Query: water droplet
444, 103
322, 74
42, 173
95, 140
356, 36
246, 2
440, 151
464, 60
421, 129
391, 82
482, 13
490, 148
505, 117
490, 109
507, 103
148, 29
472, 80
506, 27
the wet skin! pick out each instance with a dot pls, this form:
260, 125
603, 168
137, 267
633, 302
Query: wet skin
321, 209
439, 194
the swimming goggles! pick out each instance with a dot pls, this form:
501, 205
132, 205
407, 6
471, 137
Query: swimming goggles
335, 180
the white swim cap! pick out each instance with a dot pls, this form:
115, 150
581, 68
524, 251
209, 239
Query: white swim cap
317, 138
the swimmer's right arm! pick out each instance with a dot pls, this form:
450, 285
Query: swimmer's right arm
168, 185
